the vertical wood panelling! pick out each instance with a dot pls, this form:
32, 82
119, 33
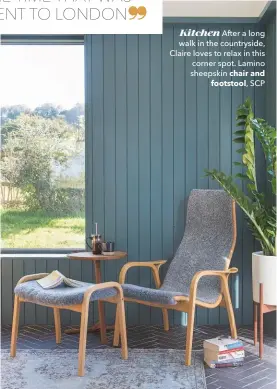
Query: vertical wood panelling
214, 147
178, 152
133, 166
75, 271
121, 147
144, 166
167, 145
87, 266
190, 132
30, 309
41, 312
98, 158
225, 138
109, 157
53, 264
17, 273
6, 291
236, 100
151, 130
156, 156
202, 152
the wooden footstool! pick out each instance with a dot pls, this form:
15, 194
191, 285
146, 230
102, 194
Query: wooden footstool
74, 299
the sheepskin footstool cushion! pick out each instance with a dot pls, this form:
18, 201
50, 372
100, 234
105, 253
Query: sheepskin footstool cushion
61, 295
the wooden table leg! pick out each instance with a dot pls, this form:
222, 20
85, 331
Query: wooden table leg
261, 341
94, 328
255, 309
101, 312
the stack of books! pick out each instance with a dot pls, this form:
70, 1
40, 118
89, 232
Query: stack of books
223, 352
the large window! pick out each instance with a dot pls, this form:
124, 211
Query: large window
42, 146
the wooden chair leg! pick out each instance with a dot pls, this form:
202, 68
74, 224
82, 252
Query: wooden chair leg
229, 307
123, 332
116, 328
165, 319
15, 323
255, 309
57, 320
83, 340
190, 326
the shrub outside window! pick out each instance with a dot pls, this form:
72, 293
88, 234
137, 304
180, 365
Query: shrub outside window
42, 146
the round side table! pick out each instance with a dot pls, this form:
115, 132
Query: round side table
88, 256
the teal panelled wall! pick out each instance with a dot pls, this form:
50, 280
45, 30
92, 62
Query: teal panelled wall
151, 131
154, 131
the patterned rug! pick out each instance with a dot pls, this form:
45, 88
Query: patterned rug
145, 369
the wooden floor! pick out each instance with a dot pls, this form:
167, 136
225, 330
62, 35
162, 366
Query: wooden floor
255, 374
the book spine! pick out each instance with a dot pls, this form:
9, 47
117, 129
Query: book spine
228, 347
231, 355
228, 361
222, 348
231, 350
232, 364
215, 362
223, 357
232, 346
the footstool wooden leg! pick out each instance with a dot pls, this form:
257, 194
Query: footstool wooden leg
123, 334
16, 309
84, 321
57, 320
83, 341
116, 328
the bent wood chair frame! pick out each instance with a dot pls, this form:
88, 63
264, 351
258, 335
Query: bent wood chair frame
188, 304
83, 309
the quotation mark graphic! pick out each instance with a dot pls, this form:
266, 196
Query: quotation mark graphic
134, 11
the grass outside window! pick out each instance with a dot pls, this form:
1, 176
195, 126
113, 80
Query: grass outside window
37, 229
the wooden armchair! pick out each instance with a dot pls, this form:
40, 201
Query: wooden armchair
198, 274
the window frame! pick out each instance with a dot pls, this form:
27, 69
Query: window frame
54, 40
42, 39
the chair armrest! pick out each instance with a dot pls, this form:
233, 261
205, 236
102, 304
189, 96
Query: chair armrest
154, 265
223, 274
103, 285
32, 277
219, 273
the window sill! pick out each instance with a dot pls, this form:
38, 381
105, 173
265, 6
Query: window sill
37, 253
2, 256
